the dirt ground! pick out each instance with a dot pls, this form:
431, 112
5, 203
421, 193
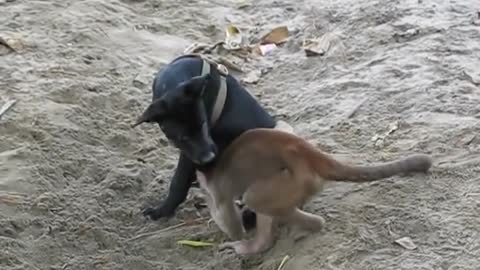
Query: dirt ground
74, 176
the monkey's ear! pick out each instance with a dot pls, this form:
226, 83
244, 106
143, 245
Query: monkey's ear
154, 112
196, 86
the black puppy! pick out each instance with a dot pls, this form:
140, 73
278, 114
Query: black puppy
182, 106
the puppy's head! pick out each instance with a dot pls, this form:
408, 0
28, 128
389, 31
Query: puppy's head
182, 116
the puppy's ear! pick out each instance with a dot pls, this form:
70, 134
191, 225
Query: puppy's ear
196, 86
154, 112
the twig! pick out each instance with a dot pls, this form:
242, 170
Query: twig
148, 234
284, 260
62, 71
7, 106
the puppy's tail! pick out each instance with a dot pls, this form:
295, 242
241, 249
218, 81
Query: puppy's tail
338, 171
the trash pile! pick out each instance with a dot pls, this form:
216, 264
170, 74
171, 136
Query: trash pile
236, 50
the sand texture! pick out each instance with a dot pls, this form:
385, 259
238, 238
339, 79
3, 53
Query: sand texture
399, 77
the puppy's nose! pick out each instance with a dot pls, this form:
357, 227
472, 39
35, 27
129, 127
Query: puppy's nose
207, 157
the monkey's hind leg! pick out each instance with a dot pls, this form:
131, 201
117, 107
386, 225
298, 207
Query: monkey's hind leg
222, 209
262, 241
306, 220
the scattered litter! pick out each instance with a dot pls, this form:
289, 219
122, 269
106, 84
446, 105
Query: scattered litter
239, 47
322, 45
252, 77
468, 139
276, 36
411, 32
407, 35
195, 48
284, 260
234, 39
406, 242
12, 42
9, 104
470, 78
267, 48
379, 139
243, 5
229, 64
142, 79
192, 243
202, 47
476, 19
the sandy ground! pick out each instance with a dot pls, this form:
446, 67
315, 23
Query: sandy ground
74, 176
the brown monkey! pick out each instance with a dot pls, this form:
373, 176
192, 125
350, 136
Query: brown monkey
278, 172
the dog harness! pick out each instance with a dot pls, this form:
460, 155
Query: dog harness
222, 91
221, 96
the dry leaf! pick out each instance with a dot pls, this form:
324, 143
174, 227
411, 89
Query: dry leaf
277, 36
192, 243
406, 242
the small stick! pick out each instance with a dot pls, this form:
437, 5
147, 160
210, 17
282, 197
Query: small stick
284, 260
148, 234
7, 106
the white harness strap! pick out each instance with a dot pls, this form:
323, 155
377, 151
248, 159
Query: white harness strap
205, 68
222, 91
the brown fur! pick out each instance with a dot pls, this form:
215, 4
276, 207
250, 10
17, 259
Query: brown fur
277, 173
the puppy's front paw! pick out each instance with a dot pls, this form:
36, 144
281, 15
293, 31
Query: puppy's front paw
155, 213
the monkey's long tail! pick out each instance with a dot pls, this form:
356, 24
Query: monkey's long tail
353, 173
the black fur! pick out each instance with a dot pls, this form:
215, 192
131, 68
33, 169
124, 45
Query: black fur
182, 104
